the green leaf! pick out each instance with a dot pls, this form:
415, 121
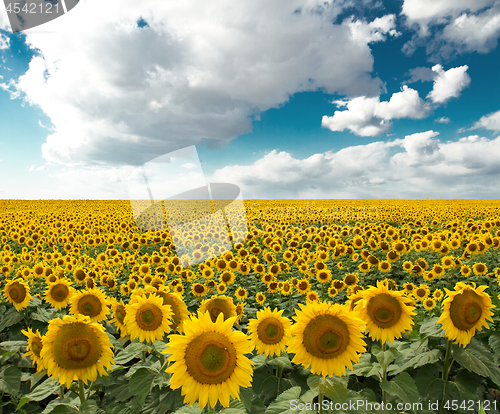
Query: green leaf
427, 357
88, 407
363, 367
10, 318
403, 387
134, 350
45, 389
22, 401
477, 358
194, 409
246, 395
335, 388
431, 328
467, 384
11, 380
281, 362
140, 383
272, 387
384, 357
259, 376
119, 409
494, 342
424, 376
439, 390
282, 403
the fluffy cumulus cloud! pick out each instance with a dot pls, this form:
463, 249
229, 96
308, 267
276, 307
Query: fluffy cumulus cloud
371, 117
450, 27
118, 92
417, 166
490, 121
366, 116
448, 84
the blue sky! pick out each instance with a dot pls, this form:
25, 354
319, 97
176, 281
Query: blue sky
286, 99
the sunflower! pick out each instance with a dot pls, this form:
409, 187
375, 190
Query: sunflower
303, 286
429, 303
76, 349
287, 288
384, 266
209, 362
241, 293
147, 318
465, 271
409, 287
351, 279
58, 294
218, 304
199, 290
312, 296
227, 277
385, 312
34, 348
422, 292
119, 312
332, 292
480, 269
465, 310
221, 288
438, 294
179, 309
270, 332
17, 292
260, 298
91, 303
326, 337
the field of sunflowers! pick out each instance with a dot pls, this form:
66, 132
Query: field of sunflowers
317, 306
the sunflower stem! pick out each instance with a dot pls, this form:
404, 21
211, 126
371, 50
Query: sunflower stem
447, 365
62, 391
82, 391
384, 377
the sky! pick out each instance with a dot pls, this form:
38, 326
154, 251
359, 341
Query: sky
293, 99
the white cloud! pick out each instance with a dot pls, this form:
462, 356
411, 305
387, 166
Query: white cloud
450, 27
371, 117
4, 42
375, 31
490, 121
443, 120
421, 74
448, 84
418, 166
31, 168
116, 93
4, 19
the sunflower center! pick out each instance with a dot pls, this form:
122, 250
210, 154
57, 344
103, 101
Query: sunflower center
210, 358
270, 331
89, 305
326, 336
36, 346
17, 292
76, 346
120, 313
218, 306
149, 317
466, 310
384, 310
60, 292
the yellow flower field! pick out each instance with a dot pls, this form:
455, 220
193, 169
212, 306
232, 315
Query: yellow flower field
385, 303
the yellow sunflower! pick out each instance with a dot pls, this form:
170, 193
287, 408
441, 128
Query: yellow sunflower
75, 348
34, 348
147, 318
386, 313
270, 332
465, 311
218, 304
209, 362
17, 292
326, 337
118, 318
178, 307
260, 298
58, 294
92, 303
